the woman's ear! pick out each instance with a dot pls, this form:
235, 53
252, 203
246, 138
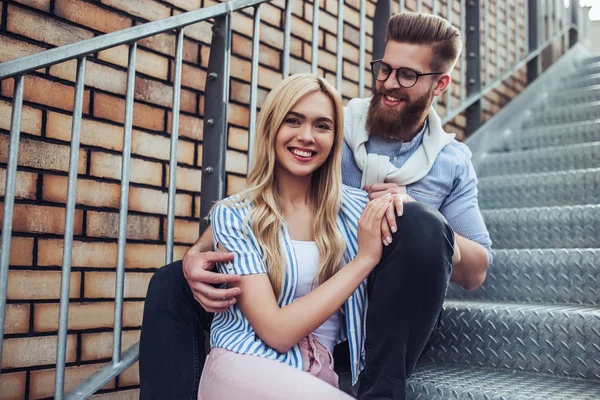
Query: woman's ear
442, 83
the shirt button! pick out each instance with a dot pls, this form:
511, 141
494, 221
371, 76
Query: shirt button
352, 330
350, 298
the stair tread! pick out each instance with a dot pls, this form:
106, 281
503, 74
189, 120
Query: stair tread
462, 382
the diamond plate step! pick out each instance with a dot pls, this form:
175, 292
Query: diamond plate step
560, 340
552, 276
544, 227
577, 96
554, 135
562, 114
576, 187
580, 81
564, 158
589, 69
591, 60
460, 382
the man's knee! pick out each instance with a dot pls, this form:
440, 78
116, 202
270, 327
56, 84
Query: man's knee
167, 281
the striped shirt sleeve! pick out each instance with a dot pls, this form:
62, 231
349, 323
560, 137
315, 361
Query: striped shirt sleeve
228, 230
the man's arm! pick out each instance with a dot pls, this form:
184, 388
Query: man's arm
198, 263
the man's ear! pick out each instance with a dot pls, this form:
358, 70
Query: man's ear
442, 83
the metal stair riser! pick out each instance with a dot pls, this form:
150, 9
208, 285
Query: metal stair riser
553, 116
571, 97
556, 135
581, 156
450, 382
559, 340
590, 69
544, 227
580, 81
578, 187
552, 276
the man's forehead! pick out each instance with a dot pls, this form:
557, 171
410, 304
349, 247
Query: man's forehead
411, 55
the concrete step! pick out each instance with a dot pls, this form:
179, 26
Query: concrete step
574, 96
554, 135
563, 114
561, 340
544, 227
551, 276
464, 382
575, 187
563, 158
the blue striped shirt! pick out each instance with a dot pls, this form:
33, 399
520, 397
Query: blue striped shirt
450, 186
232, 331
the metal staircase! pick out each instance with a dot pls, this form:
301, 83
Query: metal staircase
532, 331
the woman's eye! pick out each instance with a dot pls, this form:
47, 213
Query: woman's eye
324, 127
292, 121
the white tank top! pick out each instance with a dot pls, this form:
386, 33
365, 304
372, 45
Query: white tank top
307, 256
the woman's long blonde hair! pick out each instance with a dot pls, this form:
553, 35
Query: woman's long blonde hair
266, 217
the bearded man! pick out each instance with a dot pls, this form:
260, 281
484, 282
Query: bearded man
394, 143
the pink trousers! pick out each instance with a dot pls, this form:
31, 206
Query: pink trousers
232, 376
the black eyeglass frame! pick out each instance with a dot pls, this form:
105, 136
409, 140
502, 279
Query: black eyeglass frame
418, 75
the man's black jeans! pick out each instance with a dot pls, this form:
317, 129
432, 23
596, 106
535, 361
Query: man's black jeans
406, 292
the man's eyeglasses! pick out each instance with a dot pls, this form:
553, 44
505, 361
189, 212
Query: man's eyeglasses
406, 77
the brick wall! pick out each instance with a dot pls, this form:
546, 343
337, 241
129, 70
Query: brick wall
30, 26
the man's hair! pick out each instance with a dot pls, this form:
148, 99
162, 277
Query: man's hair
420, 28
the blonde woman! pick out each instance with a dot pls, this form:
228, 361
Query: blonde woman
303, 251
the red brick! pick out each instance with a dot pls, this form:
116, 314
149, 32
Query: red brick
238, 138
165, 44
86, 315
131, 376
349, 89
189, 126
11, 48
93, 133
235, 184
89, 192
146, 62
268, 78
96, 75
240, 69
185, 231
236, 162
200, 31
42, 381
42, 219
155, 146
43, 5
197, 206
351, 71
299, 66
84, 254
131, 394
97, 346
186, 4
31, 351
21, 251
106, 225
31, 118
91, 16
46, 30
49, 93
268, 56
12, 386
147, 9
107, 165
149, 255
238, 115
113, 108
25, 184
102, 284
16, 320
301, 29
186, 178
40, 285
155, 202
191, 77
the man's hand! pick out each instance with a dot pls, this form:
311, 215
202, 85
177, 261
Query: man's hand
197, 269
388, 224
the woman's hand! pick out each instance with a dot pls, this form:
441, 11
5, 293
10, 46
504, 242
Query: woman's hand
370, 242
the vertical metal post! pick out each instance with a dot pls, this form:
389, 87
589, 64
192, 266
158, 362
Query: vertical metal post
253, 85
463, 55
9, 198
497, 41
65, 283
124, 203
315, 38
486, 46
339, 60
173, 153
473, 18
574, 32
362, 49
517, 35
383, 11
419, 6
449, 88
507, 34
533, 66
549, 7
434, 7
286, 39
401, 5
215, 119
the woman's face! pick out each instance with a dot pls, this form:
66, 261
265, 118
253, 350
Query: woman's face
305, 138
